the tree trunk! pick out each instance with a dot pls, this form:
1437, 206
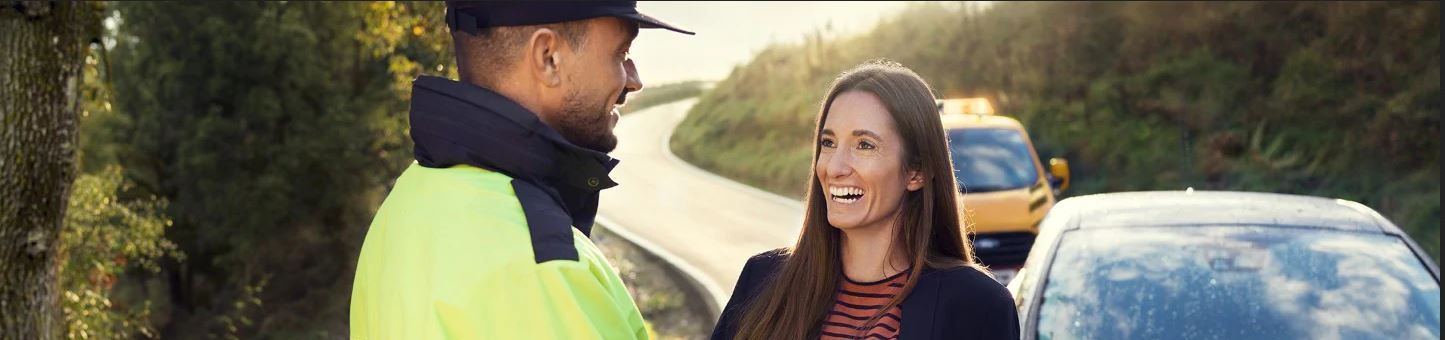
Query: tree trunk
42, 46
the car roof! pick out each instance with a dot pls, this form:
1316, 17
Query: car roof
1190, 207
964, 121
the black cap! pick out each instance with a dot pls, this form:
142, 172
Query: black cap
471, 16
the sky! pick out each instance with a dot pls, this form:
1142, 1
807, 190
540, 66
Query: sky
729, 33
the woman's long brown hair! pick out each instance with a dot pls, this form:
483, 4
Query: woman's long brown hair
930, 228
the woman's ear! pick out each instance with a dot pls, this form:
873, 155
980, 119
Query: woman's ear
915, 180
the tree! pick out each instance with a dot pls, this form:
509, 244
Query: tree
44, 44
272, 129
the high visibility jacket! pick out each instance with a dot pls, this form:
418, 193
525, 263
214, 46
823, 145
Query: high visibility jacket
485, 236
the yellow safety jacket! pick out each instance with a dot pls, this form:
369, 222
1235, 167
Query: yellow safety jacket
485, 236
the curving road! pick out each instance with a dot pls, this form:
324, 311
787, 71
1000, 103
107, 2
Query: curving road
705, 224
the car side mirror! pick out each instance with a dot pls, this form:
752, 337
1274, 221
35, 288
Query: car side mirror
1060, 169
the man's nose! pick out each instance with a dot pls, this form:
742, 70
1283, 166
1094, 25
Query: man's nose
634, 81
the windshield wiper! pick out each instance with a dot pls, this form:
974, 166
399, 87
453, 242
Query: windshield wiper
982, 189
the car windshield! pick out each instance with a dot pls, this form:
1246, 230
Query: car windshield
1237, 283
991, 159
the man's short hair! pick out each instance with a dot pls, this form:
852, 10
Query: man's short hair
486, 56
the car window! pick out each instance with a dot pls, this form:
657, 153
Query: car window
991, 159
1236, 283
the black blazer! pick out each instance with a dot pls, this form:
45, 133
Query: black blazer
960, 303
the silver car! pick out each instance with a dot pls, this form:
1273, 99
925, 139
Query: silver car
1224, 265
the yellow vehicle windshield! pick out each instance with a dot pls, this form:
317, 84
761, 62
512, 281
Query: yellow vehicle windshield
991, 159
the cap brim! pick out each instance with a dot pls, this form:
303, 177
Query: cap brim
645, 21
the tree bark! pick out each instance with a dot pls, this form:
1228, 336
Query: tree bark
42, 47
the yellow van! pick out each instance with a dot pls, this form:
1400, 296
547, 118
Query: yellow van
1006, 190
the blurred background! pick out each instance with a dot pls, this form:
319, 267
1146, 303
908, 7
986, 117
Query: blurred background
232, 153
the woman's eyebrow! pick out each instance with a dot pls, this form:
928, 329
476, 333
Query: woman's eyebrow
866, 132
827, 132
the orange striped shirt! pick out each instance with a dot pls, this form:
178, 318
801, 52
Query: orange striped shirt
856, 302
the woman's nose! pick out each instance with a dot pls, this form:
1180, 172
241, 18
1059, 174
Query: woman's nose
840, 165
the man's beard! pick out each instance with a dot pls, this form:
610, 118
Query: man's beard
587, 126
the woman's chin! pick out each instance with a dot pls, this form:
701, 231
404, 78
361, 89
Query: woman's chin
842, 222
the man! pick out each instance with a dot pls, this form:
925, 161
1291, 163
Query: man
485, 236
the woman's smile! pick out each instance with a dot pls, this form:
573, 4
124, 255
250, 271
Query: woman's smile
846, 194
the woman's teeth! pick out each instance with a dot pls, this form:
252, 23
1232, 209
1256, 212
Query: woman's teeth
845, 195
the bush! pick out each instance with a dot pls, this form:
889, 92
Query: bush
104, 239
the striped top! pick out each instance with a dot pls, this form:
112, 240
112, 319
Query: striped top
856, 302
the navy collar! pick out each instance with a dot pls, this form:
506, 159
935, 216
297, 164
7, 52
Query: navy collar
455, 123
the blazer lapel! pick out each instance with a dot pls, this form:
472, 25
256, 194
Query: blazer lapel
919, 309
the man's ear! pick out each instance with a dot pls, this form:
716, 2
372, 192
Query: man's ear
915, 180
543, 57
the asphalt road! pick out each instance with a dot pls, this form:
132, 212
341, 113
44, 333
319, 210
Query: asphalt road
706, 224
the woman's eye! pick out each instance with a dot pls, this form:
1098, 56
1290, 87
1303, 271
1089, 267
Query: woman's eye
827, 143
865, 145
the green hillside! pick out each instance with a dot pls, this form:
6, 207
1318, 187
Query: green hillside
1330, 99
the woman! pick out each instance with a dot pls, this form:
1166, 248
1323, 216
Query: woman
881, 253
